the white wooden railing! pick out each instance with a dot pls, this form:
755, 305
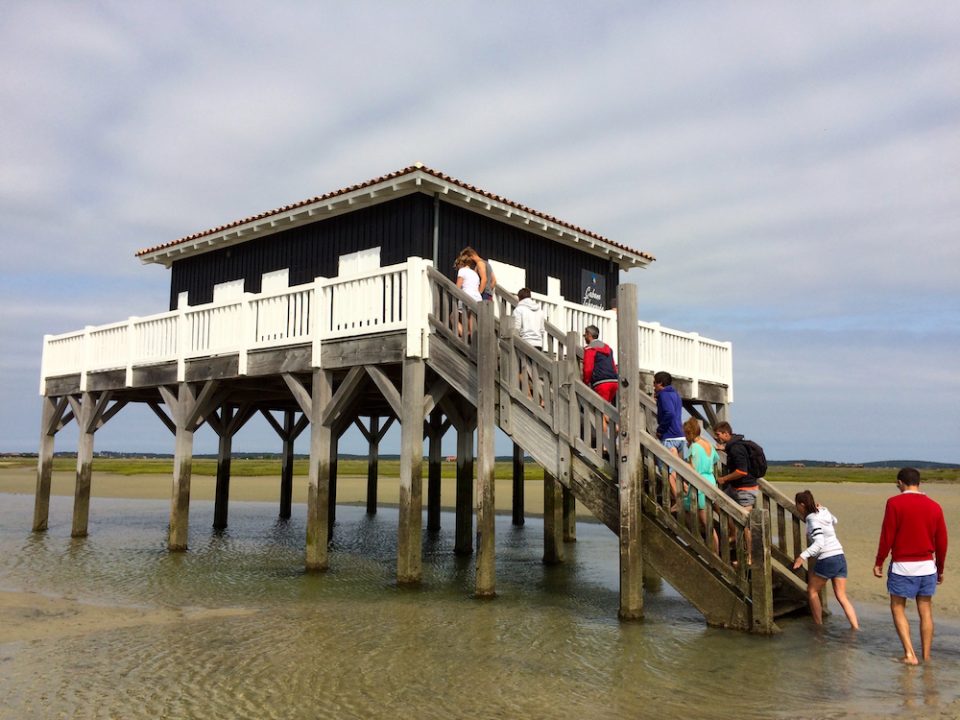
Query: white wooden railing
387, 299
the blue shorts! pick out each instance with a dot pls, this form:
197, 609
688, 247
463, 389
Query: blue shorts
678, 444
832, 567
911, 587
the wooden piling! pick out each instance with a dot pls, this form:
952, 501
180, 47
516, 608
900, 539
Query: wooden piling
487, 394
569, 516
286, 465
409, 554
463, 541
318, 474
518, 480
761, 573
50, 413
373, 464
632, 424
221, 502
435, 457
81, 497
553, 552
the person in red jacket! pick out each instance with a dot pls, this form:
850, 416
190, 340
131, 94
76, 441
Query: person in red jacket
915, 532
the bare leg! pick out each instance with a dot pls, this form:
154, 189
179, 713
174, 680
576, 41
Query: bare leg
840, 593
925, 611
815, 584
673, 483
898, 607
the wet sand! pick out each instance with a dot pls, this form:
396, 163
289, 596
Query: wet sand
858, 506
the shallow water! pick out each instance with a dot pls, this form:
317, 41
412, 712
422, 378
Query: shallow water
350, 643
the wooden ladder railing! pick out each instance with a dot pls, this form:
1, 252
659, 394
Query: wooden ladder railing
541, 391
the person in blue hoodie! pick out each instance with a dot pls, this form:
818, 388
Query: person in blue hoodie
669, 422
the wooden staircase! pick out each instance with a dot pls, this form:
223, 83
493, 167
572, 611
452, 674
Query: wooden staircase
544, 406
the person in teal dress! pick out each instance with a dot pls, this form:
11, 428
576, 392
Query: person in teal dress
703, 457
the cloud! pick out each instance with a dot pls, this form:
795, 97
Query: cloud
793, 166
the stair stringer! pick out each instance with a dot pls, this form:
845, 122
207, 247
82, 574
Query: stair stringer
720, 604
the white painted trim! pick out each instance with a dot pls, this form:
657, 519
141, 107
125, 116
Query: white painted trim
386, 299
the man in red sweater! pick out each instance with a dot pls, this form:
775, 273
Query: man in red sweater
914, 529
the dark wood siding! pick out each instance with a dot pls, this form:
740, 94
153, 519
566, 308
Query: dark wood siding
402, 228
540, 256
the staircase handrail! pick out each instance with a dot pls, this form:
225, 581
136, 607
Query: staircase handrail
781, 507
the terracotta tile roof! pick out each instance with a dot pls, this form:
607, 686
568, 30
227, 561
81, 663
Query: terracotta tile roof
383, 178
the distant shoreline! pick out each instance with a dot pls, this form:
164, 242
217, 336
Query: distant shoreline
351, 465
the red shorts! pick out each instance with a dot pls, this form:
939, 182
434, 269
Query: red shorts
608, 391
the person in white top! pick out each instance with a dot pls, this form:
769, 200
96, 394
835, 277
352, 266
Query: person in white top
528, 319
467, 278
827, 561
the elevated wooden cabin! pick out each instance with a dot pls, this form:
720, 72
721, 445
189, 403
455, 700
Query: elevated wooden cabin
339, 310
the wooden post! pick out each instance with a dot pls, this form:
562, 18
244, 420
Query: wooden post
463, 542
180, 501
761, 573
486, 452
286, 467
226, 424
332, 484
81, 498
569, 516
632, 423
553, 552
373, 464
435, 457
222, 494
409, 555
50, 413
318, 475
518, 480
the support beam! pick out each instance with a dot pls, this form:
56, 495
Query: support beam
632, 424
569, 516
51, 417
389, 391
373, 436
226, 425
318, 475
224, 457
518, 480
409, 554
332, 484
463, 541
486, 453
761, 573
85, 412
286, 464
435, 428
553, 552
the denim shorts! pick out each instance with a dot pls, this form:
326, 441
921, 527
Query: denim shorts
743, 498
678, 444
911, 587
832, 567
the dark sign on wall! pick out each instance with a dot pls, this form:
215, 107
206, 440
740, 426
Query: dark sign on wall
593, 290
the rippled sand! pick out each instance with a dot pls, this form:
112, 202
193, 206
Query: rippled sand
113, 625
859, 506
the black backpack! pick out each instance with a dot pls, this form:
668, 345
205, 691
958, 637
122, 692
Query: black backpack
756, 460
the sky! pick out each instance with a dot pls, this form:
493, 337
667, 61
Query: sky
793, 166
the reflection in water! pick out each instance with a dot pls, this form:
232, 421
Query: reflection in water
351, 643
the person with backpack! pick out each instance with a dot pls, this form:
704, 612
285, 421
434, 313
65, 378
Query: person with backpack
746, 465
